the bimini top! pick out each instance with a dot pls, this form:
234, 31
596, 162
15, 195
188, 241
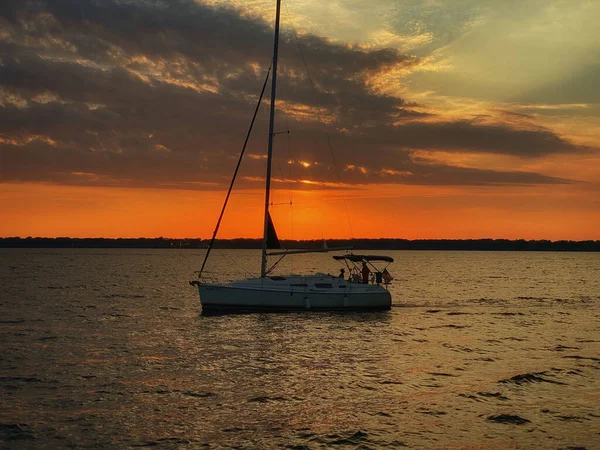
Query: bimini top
358, 258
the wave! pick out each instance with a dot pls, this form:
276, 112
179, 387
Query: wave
15, 432
508, 419
537, 377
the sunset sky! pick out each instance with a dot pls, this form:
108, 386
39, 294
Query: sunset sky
446, 118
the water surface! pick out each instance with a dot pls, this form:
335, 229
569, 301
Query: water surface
107, 348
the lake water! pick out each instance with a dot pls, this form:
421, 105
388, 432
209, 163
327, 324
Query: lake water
482, 350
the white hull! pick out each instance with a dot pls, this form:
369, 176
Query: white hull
294, 293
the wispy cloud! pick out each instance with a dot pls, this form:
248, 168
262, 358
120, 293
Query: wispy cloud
160, 94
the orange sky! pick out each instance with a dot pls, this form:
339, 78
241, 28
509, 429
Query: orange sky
449, 119
414, 213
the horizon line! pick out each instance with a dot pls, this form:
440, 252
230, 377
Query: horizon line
303, 240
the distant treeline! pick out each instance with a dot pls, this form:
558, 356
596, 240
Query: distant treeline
357, 244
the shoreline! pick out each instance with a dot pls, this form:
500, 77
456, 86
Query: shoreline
357, 244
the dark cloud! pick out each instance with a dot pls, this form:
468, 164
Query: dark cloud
580, 86
474, 136
150, 93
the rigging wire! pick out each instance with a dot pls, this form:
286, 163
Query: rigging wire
281, 172
278, 159
289, 163
214, 236
312, 85
231, 260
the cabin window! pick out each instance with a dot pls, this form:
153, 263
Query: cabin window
277, 278
299, 285
323, 285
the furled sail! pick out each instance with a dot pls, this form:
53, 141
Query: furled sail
272, 239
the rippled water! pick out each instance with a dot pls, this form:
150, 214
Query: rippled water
107, 348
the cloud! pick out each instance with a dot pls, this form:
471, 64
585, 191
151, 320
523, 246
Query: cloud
471, 136
580, 86
515, 51
97, 92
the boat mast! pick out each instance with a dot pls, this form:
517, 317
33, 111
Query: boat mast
263, 268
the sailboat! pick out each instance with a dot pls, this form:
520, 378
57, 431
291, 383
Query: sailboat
365, 288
